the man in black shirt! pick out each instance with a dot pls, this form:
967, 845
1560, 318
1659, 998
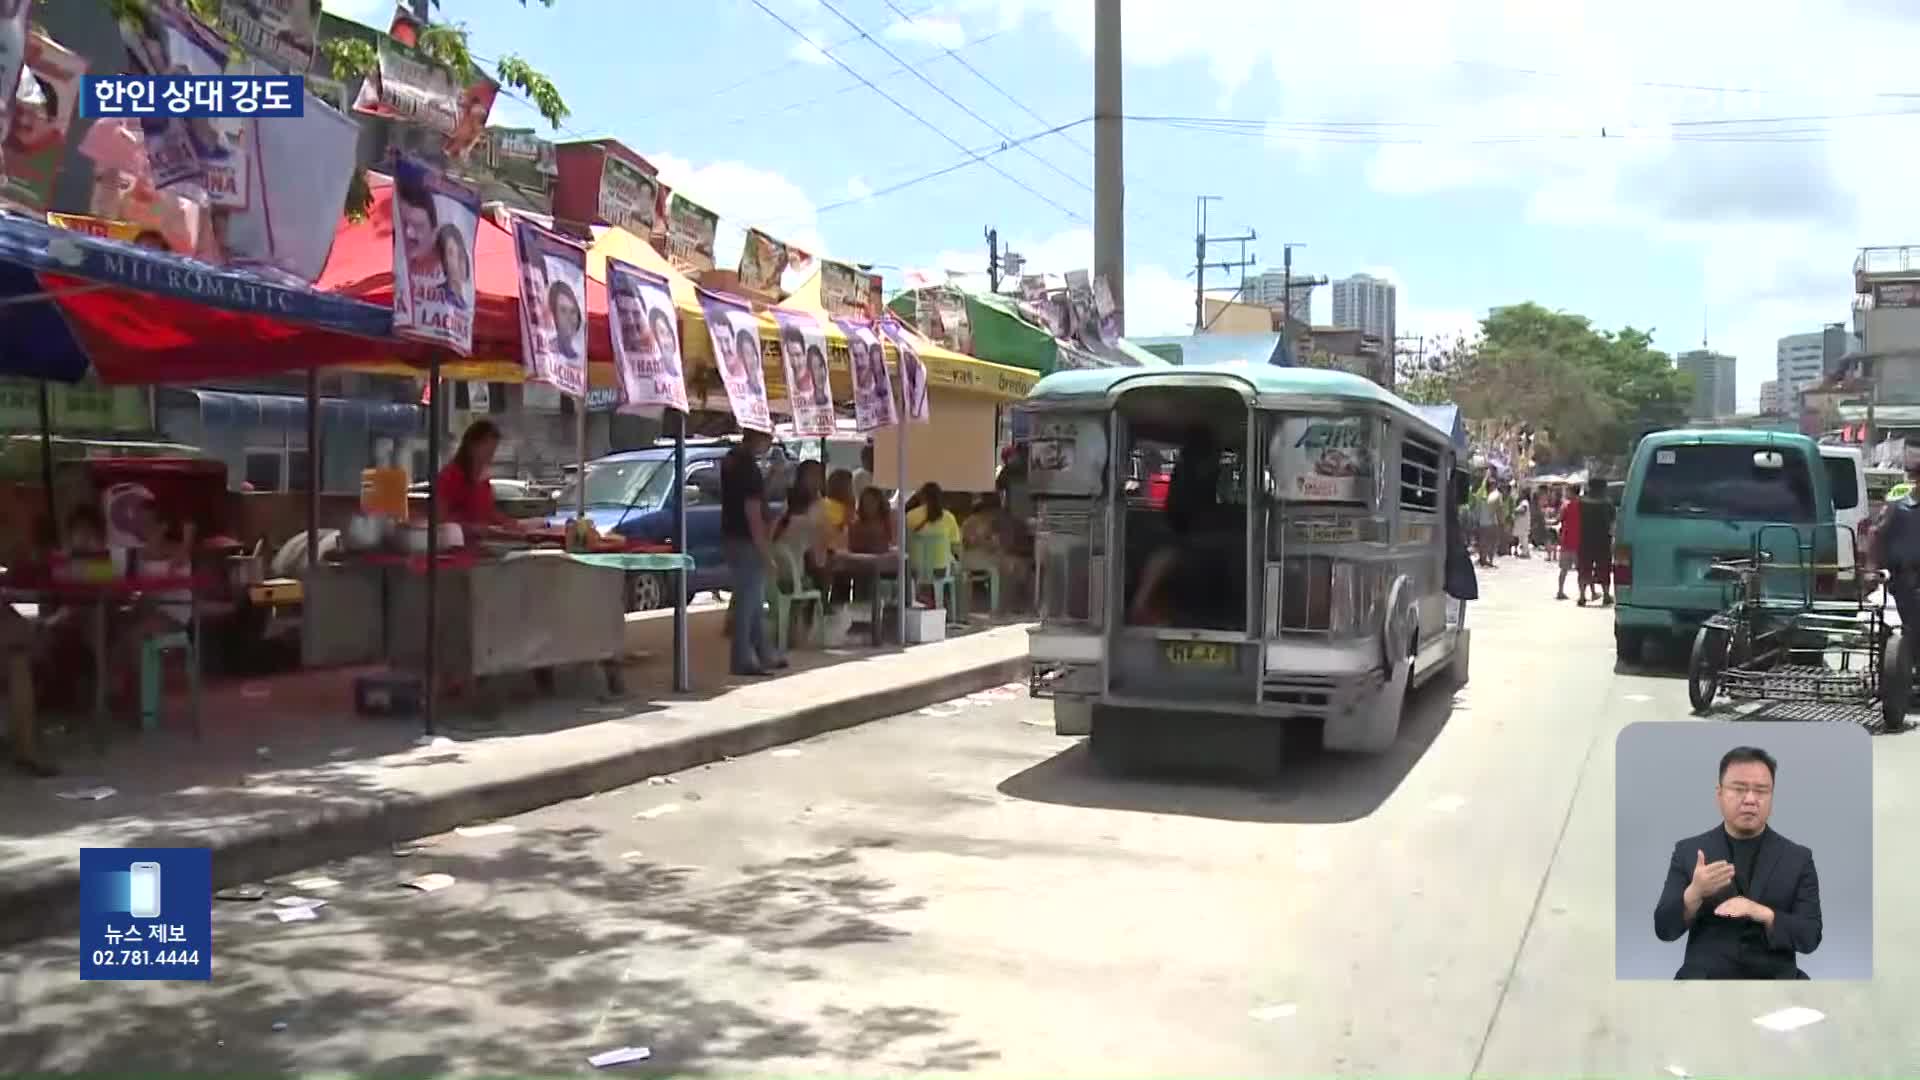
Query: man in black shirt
744, 537
1747, 898
1596, 542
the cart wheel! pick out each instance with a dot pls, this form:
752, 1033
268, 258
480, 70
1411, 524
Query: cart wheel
1896, 681
1704, 665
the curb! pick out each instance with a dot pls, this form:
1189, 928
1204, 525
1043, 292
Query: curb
49, 905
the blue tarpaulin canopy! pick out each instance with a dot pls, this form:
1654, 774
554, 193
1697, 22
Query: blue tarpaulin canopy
1448, 419
140, 315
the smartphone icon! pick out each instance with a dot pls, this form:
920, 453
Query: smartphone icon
144, 896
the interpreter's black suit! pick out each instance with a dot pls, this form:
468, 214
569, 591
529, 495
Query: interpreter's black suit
1781, 877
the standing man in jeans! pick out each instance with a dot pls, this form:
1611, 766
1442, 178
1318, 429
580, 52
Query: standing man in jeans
745, 535
1596, 543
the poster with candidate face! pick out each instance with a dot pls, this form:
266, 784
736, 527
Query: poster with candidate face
735, 330
553, 307
913, 373
646, 340
873, 406
434, 221
13, 57
43, 106
803, 356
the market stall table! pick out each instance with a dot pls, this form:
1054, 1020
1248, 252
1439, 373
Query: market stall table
40, 587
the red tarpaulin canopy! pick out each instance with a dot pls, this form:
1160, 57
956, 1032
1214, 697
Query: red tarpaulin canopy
361, 266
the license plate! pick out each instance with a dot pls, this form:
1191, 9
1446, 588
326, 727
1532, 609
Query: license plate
1199, 654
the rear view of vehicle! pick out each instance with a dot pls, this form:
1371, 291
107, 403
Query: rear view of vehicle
1694, 497
1847, 483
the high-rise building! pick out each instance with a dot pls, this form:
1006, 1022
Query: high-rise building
1269, 290
1800, 360
1770, 398
1713, 382
1367, 304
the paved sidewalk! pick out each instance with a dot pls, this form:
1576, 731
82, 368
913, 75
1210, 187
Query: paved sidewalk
269, 811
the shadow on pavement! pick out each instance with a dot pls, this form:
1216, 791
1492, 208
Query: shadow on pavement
549, 948
1314, 787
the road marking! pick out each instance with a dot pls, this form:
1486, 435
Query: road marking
1448, 804
1274, 1012
1639, 699
657, 812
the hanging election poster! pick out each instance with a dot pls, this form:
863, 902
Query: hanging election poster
763, 262
629, 196
646, 340
803, 354
691, 230
913, 373
553, 307
735, 330
434, 221
872, 394
43, 104
13, 57
846, 292
277, 31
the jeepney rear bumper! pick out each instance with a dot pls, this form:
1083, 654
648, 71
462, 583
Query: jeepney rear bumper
1297, 679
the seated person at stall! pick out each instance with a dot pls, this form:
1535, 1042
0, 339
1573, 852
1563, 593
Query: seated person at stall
803, 532
988, 539
464, 488
29, 648
871, 530
928, 517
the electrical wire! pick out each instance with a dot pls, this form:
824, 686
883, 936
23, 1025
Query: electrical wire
973, 158
851, 87
956, 102
923, 121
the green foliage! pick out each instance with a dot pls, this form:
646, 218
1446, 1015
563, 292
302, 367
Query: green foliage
1587, 393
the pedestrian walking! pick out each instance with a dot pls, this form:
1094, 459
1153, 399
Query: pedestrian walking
1523, 525
1568, 554
1596, 543
1490, 515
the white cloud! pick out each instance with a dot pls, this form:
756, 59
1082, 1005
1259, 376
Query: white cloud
858, 188
744, 196
808, 53
937, 32
1494, 97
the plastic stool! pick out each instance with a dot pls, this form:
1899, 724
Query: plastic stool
153, 653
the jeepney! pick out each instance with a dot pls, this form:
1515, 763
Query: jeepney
1313, 587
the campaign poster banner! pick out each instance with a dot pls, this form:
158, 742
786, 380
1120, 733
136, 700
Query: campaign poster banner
691, 230
434, 221
845, 292
873, 406
218, 154
407, 87
803, 355
629, 197
763, 261
146, 914
299, 169
913, 373
277, 31
13, 57
735, 331
553, 307
43, 105
521, 157
104, 228
646, 340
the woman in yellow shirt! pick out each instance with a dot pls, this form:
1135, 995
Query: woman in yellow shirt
931, 519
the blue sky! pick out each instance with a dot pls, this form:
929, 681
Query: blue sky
1748, 149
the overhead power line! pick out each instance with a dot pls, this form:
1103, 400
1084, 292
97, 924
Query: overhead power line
917, 118
904, 69
974, 157
956, 102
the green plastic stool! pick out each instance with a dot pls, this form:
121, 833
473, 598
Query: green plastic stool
790, 590
975, 575
944, 580
153, 652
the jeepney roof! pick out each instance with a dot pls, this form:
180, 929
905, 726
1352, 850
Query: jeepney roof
1265, 381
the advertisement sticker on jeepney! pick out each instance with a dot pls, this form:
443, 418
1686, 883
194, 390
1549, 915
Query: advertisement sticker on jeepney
1322, 459
1067, 455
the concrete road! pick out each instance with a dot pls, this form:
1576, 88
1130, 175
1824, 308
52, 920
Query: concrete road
959, 890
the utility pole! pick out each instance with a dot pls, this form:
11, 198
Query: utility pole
1286, 299
1201, 242
1109, 159
993, 259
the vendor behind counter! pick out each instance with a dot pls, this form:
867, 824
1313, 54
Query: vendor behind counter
464, 487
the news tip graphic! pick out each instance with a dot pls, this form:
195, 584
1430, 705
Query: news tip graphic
146, 914
230, 97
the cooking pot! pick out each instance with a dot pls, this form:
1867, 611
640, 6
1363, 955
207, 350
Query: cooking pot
369, 532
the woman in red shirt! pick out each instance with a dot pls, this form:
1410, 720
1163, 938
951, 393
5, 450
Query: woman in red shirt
465, 486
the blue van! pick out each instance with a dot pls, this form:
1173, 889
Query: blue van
631, 493
1692, 497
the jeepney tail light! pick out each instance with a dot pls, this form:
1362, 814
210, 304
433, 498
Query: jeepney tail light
1622, 565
